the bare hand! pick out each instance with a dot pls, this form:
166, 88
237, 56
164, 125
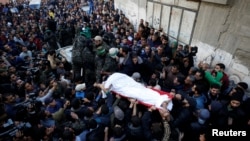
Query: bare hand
85, 100
178, 96
95, 84
74, 115
132, 100
106, 129
54, 84
66, 104
19, 134
152, 108
118, 96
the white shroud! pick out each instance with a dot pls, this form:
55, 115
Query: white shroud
126, 86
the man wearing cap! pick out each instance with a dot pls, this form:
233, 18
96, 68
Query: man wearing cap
230, 115
100, 58
111, 62
240, 86
198, 126
86, 31
99, 43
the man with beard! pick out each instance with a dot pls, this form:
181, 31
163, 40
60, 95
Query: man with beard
228, 116
169, 74
101, 55
213, 94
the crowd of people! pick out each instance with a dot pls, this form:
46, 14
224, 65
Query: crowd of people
45, 97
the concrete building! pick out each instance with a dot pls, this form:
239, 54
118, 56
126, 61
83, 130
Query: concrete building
219, 28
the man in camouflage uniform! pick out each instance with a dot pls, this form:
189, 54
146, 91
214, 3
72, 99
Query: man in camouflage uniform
77, 56
99, 42
89, 63
111, 62
51, 40
101, 55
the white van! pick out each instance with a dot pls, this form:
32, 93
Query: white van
35, 4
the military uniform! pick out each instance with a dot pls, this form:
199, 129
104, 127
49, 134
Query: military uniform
100, 58
50, 39
110, 65
105, 46
89, 66
99, 63
77, 55
101, 50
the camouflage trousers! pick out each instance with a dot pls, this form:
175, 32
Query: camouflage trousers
89, 77
77, 72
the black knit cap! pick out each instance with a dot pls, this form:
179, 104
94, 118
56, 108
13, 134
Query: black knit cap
237, 97
244, 85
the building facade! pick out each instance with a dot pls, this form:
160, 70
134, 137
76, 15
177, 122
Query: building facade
219, 28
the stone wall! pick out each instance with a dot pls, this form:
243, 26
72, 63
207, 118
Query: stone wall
222, 34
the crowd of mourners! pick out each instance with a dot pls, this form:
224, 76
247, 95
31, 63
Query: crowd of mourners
44, 96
